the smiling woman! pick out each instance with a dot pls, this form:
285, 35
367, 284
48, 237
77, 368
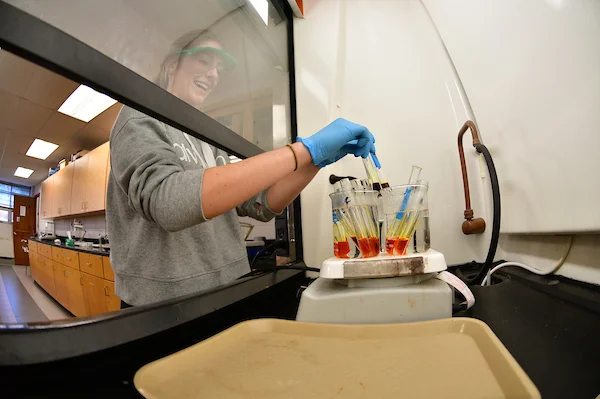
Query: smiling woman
194, 65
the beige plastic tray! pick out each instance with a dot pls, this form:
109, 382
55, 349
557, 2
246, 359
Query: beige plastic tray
450, 358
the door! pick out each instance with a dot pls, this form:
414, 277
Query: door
23, 227
95, 194
80, 171
46, 198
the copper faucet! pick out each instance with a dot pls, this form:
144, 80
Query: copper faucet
470, 225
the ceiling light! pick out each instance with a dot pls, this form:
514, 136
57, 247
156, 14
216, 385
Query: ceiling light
86, 103
262, 8
41, 149
234, 159
23, 172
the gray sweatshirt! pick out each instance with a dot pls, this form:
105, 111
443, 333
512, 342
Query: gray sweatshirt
162, 245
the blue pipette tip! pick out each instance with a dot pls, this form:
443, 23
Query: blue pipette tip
377, 164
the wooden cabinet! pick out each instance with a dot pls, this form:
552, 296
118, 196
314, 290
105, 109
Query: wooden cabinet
61, 191
69, 291
95, 192
109, 274
99, 295
44, 250
80, 172
91, 264
79, 281
66, 257
46, 198
89, 181
60, 280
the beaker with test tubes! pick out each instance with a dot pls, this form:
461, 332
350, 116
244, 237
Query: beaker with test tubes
355, 226
404, 208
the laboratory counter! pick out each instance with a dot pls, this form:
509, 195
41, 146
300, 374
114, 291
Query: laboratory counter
550, 325
95, 251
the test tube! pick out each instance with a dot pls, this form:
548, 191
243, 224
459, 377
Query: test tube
371, 172
394, 229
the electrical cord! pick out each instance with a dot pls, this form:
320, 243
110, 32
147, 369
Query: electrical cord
482, 149
488, 278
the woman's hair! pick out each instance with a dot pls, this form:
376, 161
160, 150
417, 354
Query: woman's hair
184, 42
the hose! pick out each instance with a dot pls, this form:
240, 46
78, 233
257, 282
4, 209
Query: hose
482, 149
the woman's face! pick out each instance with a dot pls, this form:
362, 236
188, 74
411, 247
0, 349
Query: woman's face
196, 75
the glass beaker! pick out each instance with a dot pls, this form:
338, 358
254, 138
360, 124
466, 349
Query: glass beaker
355, 226
404, 207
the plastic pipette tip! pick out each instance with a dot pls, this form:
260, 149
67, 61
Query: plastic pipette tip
377, 164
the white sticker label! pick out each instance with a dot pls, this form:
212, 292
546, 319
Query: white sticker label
22, 210
457, 283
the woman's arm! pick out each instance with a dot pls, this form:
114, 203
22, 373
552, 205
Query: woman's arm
225, 187
282, 193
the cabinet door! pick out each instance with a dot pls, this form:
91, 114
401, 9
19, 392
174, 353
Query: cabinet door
93, 294
62, 190
96, 179
91, 264
48, 276
113, 302
80, 170
73, 284
60, 280
46, 198
109, 274
33, 265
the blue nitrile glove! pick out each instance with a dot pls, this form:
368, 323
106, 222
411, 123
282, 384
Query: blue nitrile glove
333, 142
352, 147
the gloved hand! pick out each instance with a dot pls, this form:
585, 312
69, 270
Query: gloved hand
336, 140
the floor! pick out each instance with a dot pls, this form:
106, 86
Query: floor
22, 300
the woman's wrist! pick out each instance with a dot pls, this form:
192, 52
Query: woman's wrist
302, 154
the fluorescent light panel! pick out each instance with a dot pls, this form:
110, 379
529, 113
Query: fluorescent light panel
86, 103
234, 159
41, 149
23, 172
262, 8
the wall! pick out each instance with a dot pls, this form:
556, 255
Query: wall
379, 63
531, 70
95, 226
382, 64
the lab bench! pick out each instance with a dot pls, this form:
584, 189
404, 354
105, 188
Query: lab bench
550, 325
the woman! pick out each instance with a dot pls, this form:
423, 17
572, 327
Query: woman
173, 201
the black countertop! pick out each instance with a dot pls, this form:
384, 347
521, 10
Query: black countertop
104, 252
552, 328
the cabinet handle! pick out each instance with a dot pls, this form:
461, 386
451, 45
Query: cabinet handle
81, 280
65, 272
88, 264
106, 290
66, 257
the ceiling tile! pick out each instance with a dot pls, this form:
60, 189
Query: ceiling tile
8, 106
12, 160
15, 73
18, 143
29, 118
106, 120
91, 137
60, 128
49, 89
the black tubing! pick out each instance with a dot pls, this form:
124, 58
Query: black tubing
334, 179
496, 222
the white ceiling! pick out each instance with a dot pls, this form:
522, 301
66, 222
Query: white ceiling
29, 99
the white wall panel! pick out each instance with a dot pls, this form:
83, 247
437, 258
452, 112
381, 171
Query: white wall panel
381, 64
532, 73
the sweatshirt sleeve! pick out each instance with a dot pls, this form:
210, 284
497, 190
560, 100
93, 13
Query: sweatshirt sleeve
148, 170
257, 208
